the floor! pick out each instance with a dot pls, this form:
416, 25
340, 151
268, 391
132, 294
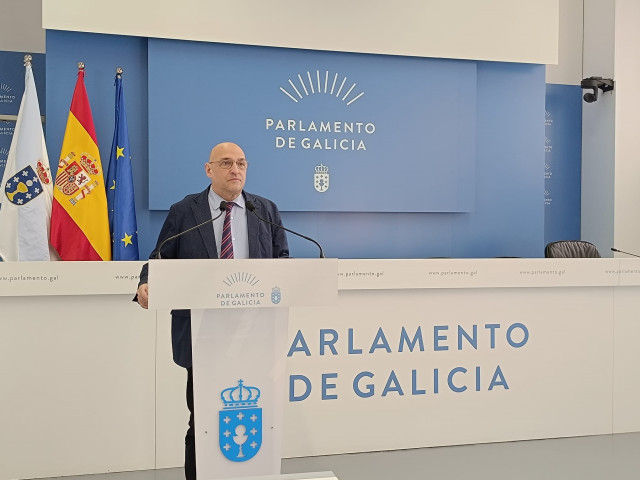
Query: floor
613, 457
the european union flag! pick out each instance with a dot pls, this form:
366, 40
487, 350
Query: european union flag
120, 199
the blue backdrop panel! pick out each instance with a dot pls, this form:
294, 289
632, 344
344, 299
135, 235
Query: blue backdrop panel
378, 125
6, 134
563, 162
508, 217
11, 90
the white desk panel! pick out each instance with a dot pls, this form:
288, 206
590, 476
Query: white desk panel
83, 365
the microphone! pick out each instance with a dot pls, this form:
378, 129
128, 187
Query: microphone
251, 207
223, 208
626, 253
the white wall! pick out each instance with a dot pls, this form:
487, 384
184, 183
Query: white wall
21, 26
598, 128
626, 230
568, 70
502, 30
610, 140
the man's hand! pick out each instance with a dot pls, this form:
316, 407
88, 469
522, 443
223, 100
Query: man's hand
143, 295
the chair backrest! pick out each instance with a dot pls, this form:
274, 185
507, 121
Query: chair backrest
571, 249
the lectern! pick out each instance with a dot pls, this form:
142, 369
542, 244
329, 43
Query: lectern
239, 323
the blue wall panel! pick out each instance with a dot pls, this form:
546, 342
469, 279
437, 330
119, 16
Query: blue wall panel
358, 116
11, 90
563, 162
508, 219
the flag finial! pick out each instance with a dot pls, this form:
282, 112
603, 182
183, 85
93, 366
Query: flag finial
27, 60
80, 65
119, 71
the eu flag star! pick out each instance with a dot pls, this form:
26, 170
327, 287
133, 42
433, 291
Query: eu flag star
119, 152
126, 239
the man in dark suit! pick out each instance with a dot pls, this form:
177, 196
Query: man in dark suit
251, 238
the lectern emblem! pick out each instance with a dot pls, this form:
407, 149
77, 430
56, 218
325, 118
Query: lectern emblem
240, 423
276, 295
321, 178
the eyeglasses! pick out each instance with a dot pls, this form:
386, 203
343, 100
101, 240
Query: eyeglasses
227, 164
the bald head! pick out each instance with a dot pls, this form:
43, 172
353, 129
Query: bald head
223, 149
226, 182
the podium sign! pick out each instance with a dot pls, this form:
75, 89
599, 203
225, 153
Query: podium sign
239, 322
253, 283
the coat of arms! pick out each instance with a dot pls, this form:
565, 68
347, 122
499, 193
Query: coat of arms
75, 176
321, 178
276, 295
23, 187
240, 423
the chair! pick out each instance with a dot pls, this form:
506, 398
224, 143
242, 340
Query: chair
571, 249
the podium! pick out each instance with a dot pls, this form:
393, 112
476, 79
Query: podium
239, 331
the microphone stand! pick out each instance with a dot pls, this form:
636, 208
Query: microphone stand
626, 253
251, 207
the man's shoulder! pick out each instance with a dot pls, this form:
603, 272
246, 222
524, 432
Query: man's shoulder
190, 199
257, 199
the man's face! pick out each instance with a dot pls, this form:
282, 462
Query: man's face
226, 182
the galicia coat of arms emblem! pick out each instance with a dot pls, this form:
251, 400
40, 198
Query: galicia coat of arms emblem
23, 187
321, 178
276, 295
240, 423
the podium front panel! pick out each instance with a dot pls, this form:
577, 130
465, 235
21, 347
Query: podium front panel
239, 359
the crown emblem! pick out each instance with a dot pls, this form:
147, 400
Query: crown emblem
322, 169
240, 396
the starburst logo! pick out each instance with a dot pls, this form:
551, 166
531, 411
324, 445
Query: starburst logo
5, 88
322, 84
241, 277
345, 134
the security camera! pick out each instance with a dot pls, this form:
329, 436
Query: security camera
591, 97
595, 83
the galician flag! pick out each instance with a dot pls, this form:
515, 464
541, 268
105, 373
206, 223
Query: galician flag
26, 191
79, 222
120, 198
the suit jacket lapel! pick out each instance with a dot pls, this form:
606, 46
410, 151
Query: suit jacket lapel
202, 213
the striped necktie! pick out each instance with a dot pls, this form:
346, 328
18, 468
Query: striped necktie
226, 246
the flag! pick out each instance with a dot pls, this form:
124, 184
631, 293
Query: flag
79, 222
120, 198
26, 191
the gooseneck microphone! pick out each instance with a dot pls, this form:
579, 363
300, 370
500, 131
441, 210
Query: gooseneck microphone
251, 207
626, 253
223, 208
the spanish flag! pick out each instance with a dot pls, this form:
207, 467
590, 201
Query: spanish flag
79, 218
